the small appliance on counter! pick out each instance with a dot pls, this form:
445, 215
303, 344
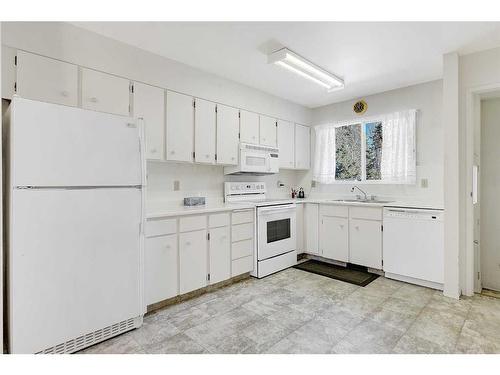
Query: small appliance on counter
301, 193
194, 201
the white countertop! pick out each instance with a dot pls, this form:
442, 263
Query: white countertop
154, 211
395, 203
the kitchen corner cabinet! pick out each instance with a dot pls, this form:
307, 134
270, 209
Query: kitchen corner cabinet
249, 127
286, 136
180, 127
267, 134
302, 147
204, 131
228, 125
149, 103
311, 226
192, 260
47, 80
219, 254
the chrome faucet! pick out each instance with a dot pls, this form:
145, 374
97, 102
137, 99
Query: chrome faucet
356, 187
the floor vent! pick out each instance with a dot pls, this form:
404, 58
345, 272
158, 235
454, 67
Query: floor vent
92, 338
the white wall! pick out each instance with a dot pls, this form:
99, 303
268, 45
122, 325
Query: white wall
72, 44
490, 188
427, 98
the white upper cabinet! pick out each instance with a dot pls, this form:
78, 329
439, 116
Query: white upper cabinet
105, 93
8, 72
249, 127
149, 103
286, 143
228, 126
180, 127
267, 131
204, 131
47, 80
302, 147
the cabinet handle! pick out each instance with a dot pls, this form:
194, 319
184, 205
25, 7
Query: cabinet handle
172, 152
93, 99
153, 151
207, 156
188, 243
65, 94
167, 246
263, 139
232, 158
341, 226
357, 228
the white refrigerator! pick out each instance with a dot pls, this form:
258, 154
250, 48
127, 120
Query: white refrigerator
75, 226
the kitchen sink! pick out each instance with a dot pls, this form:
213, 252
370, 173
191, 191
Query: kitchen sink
359, 201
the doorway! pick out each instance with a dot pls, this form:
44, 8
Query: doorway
486, 194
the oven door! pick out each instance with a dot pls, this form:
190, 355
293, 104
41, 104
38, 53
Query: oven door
277, 230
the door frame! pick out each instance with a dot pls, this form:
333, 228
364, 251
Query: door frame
472, 119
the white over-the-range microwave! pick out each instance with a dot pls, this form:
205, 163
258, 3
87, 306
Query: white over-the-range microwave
256, 160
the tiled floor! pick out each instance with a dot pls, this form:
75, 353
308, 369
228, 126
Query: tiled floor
299, 312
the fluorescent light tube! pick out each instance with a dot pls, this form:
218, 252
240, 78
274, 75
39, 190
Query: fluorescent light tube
297, 64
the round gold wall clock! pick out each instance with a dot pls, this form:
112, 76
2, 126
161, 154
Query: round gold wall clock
360, 107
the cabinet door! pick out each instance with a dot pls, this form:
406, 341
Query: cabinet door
300, 228
228, 125
311, 219
286, 140
180, 127
302, 147
220, 254
105, 93
149, 103
204, 131
8, 73
193, 260
366, 243
160, 268
334, 238
249, 127
47, 80
267, 131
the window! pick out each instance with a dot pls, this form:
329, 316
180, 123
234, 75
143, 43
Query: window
372, 150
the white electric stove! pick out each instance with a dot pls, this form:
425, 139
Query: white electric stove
276, 232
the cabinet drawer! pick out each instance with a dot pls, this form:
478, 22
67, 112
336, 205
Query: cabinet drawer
161, 227
368, 213
218, 220
242, 232
332, 210
241, 266
190, 223
245, 216
242, 249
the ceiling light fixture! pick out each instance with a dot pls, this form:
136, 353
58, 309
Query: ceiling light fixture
299, 65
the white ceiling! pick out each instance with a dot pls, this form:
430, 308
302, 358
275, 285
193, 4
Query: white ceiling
371, 57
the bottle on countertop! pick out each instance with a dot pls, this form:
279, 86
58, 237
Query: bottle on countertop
301, 193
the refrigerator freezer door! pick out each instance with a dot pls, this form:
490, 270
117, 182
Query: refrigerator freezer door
55, 145
75, 265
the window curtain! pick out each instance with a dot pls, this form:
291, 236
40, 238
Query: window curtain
398, 165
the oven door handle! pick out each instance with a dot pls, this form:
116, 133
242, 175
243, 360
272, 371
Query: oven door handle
268, 210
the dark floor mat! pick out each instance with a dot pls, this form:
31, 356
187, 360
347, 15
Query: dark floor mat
351, 274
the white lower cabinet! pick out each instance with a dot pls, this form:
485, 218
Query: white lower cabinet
334, 238
219, 254
192, 260
160, 265
366, 243
311, 226
300, 228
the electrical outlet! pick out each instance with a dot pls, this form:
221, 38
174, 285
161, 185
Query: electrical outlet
313, 183
177, 185
424, 183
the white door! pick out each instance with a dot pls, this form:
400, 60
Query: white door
334, 238
193, 260
160, 268
311, 227
47, 80
149, 103
105, 93
74, 264
365, 241
180, 127
56, 145
204, 131
267, 131
286, 140
220, 254
249, 127
302, 147
228, 125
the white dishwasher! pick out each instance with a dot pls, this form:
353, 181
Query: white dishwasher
414, 246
